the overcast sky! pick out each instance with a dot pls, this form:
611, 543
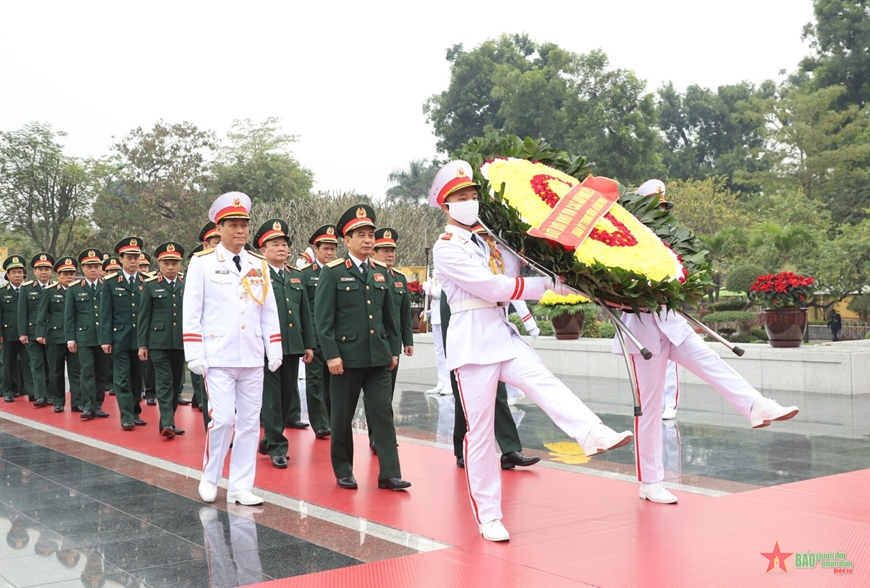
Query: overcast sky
349, 78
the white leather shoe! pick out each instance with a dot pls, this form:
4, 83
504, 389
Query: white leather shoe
656, 492
244, 497
602, 438
669, 414
765, 411
446, 390
494, 531
207, 490
435, 390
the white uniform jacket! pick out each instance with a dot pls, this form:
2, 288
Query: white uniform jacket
224, 320
481, 336
646, 327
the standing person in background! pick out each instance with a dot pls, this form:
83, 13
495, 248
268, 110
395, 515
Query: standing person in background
835, 323
81, 328
432, 288
230, 325
281, 387
50, 333
31, 295
17, 376
323, 245
159, 332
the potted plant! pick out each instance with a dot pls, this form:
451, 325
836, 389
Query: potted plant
415, 293
784, 298
566, 313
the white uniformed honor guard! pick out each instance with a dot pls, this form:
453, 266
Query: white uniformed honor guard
668, 336
483, 348
230, 324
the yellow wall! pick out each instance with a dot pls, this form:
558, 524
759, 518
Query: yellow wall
817, 314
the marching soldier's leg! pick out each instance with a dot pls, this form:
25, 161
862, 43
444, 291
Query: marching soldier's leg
272, 414
38, 369
136, 370
378, 399
316, 392
506, 434
103, 374
176, 359
149, 382
460, 426
345, 394
122, 367
26, 372
8, 379
89, 379
110, 377
164, 387
198, 389
393, 374
74, 373
56, 367
294, 403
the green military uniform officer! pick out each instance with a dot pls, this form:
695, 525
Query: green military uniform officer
17, 376
110, 268
120, 301
159, 332
324, 244
359, 336
31, 294
81, 326
50, 333
386, 240
281, 387
148, 385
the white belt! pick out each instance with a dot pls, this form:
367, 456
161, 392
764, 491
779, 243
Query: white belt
474, 304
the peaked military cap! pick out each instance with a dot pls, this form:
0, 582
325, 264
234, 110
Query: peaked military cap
89, 256
271, 229
230, 205
145, 259
12, 262
196, 250
386, 237
111, 264
42, 259
358, 215
453, 176
129, 245
655, 187
208, 231
325, 234
65, 264
169, 250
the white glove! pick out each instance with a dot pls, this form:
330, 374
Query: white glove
274, 364
534, 332
562, 289
198, 366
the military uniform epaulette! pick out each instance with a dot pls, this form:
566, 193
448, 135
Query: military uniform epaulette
27, 283
257, 255
110, 276
75, 283
59, 286
306, 266
203, 252
336, 262
380, 263
395, 271
51, 284
446, 236
296, 269
152, 278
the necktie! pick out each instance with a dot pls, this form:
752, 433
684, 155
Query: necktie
132, 280
362, 269
43, 286
94, 288
477, 242
281, 273
238, 260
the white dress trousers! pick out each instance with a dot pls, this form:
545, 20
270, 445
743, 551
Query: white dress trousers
672, 387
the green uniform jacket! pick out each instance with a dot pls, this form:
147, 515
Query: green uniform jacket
119, 307
50, 316
82, 314
294, 313
30, 296
310, 278
402, 305
354, 316
160, 325
9, 313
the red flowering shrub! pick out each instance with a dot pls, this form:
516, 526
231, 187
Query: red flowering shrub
782, 290
415, 291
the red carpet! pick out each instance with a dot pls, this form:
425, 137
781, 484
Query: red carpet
567, 529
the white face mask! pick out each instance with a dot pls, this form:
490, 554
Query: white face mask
464, 212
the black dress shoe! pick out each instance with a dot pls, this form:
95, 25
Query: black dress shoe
178, 431
322, 433
167, 432
58, 408
139, 422
9, 399
40, 402
297, 425
261, 450
348, 483
86, 415
460, 462
183, 401
193, 403
394, 484
151, 401
372, 447
128, 426
111, 392
100, 413
515, 458
78, 408
279, 461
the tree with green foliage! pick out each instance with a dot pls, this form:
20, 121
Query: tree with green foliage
778, 243
412, 184
707, 206
721, 246
860, 305
517, 86
258, 162
742, 277
44, 194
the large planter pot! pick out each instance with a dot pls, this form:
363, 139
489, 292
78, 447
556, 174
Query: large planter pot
568, 326
785, 327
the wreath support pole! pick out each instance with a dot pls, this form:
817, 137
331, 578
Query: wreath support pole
632, 378
712, 334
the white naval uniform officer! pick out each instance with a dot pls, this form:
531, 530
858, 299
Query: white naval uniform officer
668, 336
230, 323
483, 348
432, 288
